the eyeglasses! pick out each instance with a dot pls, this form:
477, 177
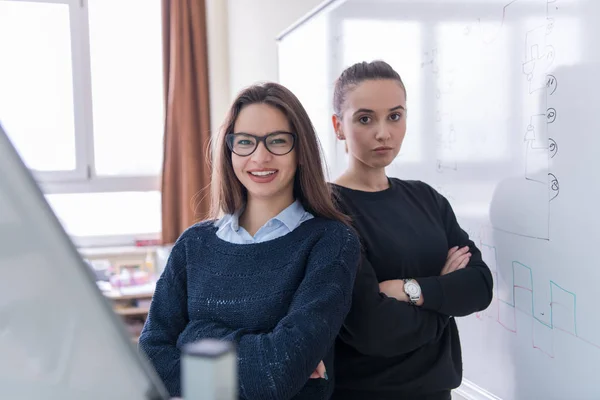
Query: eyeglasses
277, 143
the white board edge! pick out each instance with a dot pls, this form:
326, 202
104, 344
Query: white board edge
471, 391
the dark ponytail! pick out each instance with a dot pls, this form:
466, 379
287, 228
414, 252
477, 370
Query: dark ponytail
360, 72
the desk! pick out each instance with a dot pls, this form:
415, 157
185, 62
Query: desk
133, 308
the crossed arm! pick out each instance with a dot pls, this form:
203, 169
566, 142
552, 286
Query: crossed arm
465, 283
457, 259
383, 323
271, 365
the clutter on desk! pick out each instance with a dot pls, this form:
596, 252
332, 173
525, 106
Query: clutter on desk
127, 276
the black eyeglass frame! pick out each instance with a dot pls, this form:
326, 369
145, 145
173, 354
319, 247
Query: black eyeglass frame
229, 138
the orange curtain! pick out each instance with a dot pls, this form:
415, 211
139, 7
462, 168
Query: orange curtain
186, 170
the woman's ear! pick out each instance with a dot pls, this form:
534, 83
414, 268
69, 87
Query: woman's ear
337, 127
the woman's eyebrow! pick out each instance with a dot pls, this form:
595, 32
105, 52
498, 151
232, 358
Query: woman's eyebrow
366, 110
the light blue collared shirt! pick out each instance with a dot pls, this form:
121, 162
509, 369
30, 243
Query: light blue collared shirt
283, 223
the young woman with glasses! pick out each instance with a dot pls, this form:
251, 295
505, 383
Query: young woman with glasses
273, 272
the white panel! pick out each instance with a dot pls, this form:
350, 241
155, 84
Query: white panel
505, 94
59, 338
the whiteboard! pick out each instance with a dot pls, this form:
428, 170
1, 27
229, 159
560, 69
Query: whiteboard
502, 120
59, 338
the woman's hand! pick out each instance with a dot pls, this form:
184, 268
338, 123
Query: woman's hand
320, 372
394, 288
456, 259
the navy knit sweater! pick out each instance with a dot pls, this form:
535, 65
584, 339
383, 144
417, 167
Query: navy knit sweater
282, 302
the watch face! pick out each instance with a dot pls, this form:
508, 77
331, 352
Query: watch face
412, 289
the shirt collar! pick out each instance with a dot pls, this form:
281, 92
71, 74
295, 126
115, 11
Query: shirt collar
290, 217
235, 219
230, 220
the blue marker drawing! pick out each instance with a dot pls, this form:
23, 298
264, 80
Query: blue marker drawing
563, 305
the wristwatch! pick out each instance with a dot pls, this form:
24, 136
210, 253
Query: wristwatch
412, 290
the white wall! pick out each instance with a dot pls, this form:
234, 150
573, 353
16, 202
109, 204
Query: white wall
241, 45
253, 27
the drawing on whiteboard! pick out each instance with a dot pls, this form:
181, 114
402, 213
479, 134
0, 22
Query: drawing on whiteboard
430, 58
445, 81
561, 314
446, 136
537, 150
554, 186
536, 75
551, 84
550, 115
443, 89
540, 56
521, 207
490, 38
446, 140
443, 166
540, 148
553, 147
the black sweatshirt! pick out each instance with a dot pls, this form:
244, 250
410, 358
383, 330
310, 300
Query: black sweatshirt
388, 349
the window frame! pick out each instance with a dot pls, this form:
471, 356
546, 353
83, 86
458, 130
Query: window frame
84, 179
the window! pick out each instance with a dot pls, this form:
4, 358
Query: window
81, 97
131, 213
36, 81
126, 57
